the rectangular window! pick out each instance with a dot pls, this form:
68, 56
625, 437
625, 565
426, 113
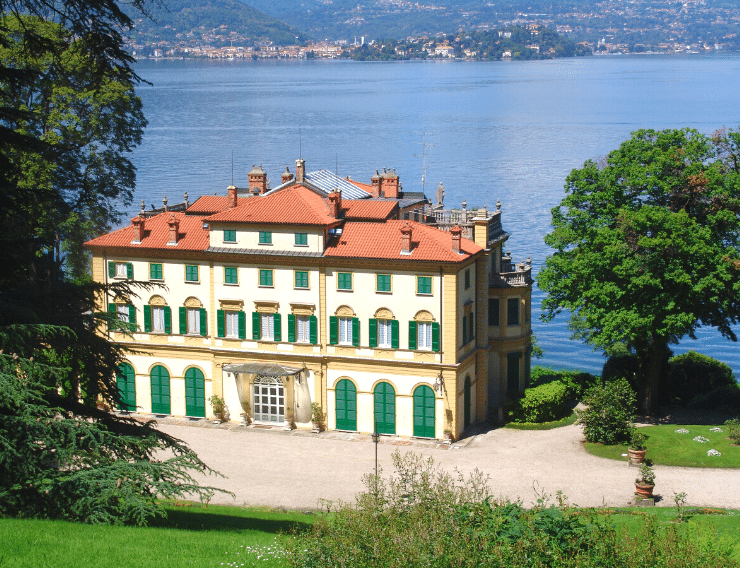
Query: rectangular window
266, 277
301, 239
191, 273
265, 238
121, 271
231, 275
231, 324
423, 284
384, 333
512, 311
155, 271
123, 312
267, 327
301, 279
345, 331
344, 280
467, 279
383, 282
194, 321
423, 335
158, 319
302, 329
229, 236
493, 311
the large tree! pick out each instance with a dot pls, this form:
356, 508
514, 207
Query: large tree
646, 246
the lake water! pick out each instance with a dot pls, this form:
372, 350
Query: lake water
495, 130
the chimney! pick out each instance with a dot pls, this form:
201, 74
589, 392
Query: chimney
406, 238
390, 184
335, 203
174, 226
456, 232
231, 192
257, 180
138, 223
287, 176
300, 170
375, 180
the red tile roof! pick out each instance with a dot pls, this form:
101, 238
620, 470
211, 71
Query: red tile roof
192, 235
296, 205
362, 209
209, 204
383, 241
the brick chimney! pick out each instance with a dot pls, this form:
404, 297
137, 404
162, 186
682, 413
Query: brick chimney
300, 170
390, 184
174, 230
335, 203
233, 197
287, 176
257, 180
138, 224
406, 238
456, 232
376, 181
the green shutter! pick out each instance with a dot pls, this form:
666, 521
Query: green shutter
346, 405
147, 318
424, 406
412, 335
291, 328
333, 330
220, 323
394, 334
131, 318
183, 317
373, 332
167, 319
203, 322
356, 332
278, 327
384, 399
255, 325
435, 336
242, 325
129, 271
111, 269
314, 329
112, 314
195, 393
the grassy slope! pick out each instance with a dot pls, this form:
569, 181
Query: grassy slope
666, 447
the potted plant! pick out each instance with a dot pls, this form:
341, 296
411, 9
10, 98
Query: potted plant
448, 436
289, 415
637, 448
645, 483
220, 411
317, 416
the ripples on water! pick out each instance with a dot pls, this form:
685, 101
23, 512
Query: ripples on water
508, 130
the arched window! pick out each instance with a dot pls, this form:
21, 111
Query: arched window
424, 332
384, 330
157, 316
193, 320
126, 382
195, 393
346, 405
160, 380
344, 327
385, 408
424, 406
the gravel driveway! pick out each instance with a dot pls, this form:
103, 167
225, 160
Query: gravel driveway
296, 469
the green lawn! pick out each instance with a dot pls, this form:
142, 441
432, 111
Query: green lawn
665, 446
192, 535
542, 425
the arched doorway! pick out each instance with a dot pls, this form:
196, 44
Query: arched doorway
346, 405
160, 379
195, 393
126, 382
269, 399
385, 408
424, 420
467, 402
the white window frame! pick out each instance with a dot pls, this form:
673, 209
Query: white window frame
193, 321
122, 312
302, 329
267, 327
345, 331
424, 335
231, 323
158, 319
385, 333
121, 270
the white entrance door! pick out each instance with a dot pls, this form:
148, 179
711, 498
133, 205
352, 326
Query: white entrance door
269, 399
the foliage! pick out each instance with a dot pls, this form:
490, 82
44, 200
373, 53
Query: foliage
218, 405
621, 365
425, 517
647, 246
647, 476
317, 414
733, 430
567, 421
723, 398
576, 382
693, 374
609, 412
680, 500
638, 440
544, 403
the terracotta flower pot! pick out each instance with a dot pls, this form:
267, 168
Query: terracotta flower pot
637, 456
645, 491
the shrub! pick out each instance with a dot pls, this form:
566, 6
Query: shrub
576, 382
693, 374
609, 413
733, 430
723, 398
543, 403
621, 366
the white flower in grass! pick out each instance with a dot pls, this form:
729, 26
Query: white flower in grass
682, 431
715, 429
713, 453
701, 439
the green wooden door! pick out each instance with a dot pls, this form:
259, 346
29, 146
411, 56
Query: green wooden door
424, 403
195, 393
346, 394
385, 408
467, 402
160, 390
126, 381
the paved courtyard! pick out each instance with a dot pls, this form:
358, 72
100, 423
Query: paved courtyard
297, 469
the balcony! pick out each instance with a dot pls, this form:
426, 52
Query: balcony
519, 275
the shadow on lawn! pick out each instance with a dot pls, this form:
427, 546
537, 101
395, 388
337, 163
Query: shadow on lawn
204, 520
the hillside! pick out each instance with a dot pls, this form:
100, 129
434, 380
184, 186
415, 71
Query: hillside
209, 22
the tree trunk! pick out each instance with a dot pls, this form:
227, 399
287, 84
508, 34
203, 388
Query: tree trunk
651, 365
